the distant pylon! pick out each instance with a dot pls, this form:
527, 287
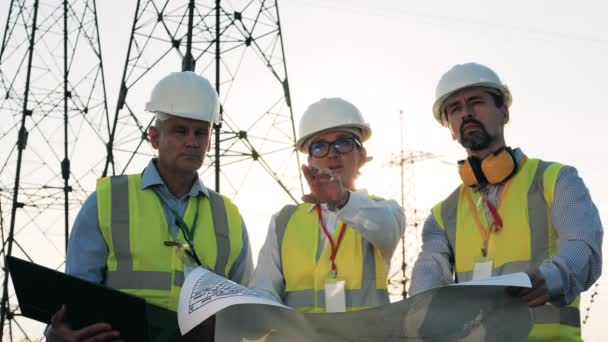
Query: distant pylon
54, 130
409, 246
238, 45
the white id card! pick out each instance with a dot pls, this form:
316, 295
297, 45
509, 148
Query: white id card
335, 299
482, 270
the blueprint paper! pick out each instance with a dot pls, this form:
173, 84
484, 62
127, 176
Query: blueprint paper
449, 313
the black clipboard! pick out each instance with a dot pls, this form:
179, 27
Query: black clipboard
41, 291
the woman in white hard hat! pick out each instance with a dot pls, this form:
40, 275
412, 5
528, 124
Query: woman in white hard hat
331, 254
511, 213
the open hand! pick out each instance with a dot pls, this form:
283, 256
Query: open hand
324, 188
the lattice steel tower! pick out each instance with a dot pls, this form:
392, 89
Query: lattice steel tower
410, 245
53, 131
57, 137
238, 46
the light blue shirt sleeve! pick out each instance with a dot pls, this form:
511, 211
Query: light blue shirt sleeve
578, 261
87, 249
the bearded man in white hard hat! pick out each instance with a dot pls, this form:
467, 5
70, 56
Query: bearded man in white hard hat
142, 233
511, 213
331, 253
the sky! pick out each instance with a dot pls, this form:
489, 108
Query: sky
387, 56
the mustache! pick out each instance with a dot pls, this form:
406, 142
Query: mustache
470, 120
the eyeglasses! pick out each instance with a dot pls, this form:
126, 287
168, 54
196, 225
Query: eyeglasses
321, 148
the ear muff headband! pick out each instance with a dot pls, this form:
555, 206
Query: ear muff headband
495, 168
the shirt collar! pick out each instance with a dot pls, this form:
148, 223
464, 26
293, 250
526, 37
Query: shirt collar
519, 155
151, 178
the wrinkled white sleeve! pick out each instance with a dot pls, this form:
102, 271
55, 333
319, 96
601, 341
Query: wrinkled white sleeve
433, 268
268, 274
381, 222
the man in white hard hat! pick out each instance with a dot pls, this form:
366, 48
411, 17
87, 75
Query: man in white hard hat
141, 233
511, 214
331, 254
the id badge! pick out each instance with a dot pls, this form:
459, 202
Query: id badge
483, 268
335, 298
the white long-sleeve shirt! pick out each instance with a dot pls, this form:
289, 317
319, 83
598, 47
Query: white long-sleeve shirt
381, 222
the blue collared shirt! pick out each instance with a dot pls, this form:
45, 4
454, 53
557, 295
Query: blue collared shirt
88, 251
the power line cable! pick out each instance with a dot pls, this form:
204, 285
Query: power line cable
528, 33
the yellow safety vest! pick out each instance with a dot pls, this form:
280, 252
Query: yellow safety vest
134, 227
358, 262
528, 237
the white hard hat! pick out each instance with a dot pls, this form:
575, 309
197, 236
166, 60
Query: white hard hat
184, 94
463, 76
331, 114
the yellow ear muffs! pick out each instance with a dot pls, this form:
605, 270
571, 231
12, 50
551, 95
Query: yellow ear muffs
466, 173
495, 168
499, 166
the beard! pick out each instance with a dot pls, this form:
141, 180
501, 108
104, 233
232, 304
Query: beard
476, 140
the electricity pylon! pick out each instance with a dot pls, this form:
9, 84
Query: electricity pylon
238, 45
56, 136
410, 244
54, 124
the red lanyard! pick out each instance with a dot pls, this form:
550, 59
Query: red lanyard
334, 246
497, 223
496, 219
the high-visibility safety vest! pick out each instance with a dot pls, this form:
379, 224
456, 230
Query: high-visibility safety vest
528, 237
305, 268
135, 229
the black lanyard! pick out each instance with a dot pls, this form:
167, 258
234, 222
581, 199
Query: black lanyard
188, 233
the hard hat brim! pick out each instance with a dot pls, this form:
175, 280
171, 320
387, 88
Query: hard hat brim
438, 105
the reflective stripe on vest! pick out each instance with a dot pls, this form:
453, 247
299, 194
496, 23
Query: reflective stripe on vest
548, 314
309, 294
220, 226
281, 224
537, 179
538, 221
366, 296
124, 277
121, 196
